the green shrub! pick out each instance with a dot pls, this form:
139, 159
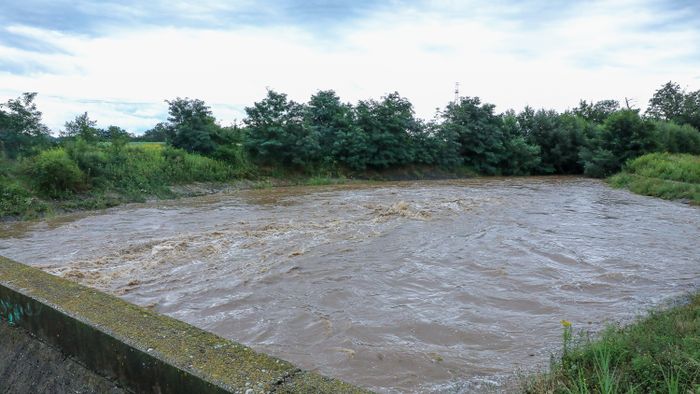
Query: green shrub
181, 167
664, 175
135, 170
679, 167
54, 174
233, 154
18, 201
91, 159
677, 139
599, 163
623, 136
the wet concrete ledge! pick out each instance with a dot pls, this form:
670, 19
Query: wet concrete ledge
139, 349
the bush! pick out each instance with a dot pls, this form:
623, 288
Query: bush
678, 168
664, 175
90, 158
677, 139
183, 167
55, 174
135, 170
599, 163
626, 135
18, 201
235, 155
559, 137
521, 158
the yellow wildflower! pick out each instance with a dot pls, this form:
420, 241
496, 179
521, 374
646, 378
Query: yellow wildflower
566, 323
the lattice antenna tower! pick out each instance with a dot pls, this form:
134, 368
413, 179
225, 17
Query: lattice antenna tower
456, 92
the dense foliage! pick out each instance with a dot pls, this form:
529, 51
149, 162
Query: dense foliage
54, 174
664, 175
327, 136
672, 103
21, 130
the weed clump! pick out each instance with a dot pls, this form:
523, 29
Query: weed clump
657, 354
55, 174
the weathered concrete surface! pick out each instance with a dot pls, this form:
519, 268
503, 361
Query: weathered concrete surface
140, 349
28, 365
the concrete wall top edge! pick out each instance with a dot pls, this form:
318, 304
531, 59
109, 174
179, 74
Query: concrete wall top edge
222, 362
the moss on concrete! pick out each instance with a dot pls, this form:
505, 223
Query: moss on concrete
308, 382
152, 338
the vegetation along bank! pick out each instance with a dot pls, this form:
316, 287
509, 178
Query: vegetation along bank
659, 353
83, 166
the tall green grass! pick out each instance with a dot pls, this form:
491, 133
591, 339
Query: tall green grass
657, 354
81, 175
664, 175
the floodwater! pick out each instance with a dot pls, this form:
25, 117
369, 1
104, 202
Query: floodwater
431, 286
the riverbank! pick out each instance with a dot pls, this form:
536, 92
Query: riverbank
81, 177
663, 175
658, 353
66, 180
19, 205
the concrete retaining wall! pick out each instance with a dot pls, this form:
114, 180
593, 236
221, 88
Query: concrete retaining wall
141, 350
30, 366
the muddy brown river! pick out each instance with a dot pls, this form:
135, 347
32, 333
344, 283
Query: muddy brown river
431, 286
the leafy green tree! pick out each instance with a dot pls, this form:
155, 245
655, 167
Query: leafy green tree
388, 125
598, 112
159, 133
115, 134
278, 134
426, 145
627, 135
90, 158
691, 109
624, 136
560, 138
672, 103
230, 146
599, 162
340, 139
21, 129
478, 132
667, 102
54, 174
82, 127
447, 151
191, 125
520, 157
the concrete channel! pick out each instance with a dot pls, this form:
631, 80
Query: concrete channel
59, 336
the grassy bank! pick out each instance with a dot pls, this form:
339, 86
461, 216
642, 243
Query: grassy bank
664, 175
79, 176
657, 354
93, 177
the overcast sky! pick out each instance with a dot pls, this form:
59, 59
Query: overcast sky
119, 60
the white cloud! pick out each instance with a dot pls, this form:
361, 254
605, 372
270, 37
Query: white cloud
600, 51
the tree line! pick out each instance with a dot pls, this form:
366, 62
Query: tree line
326, 133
